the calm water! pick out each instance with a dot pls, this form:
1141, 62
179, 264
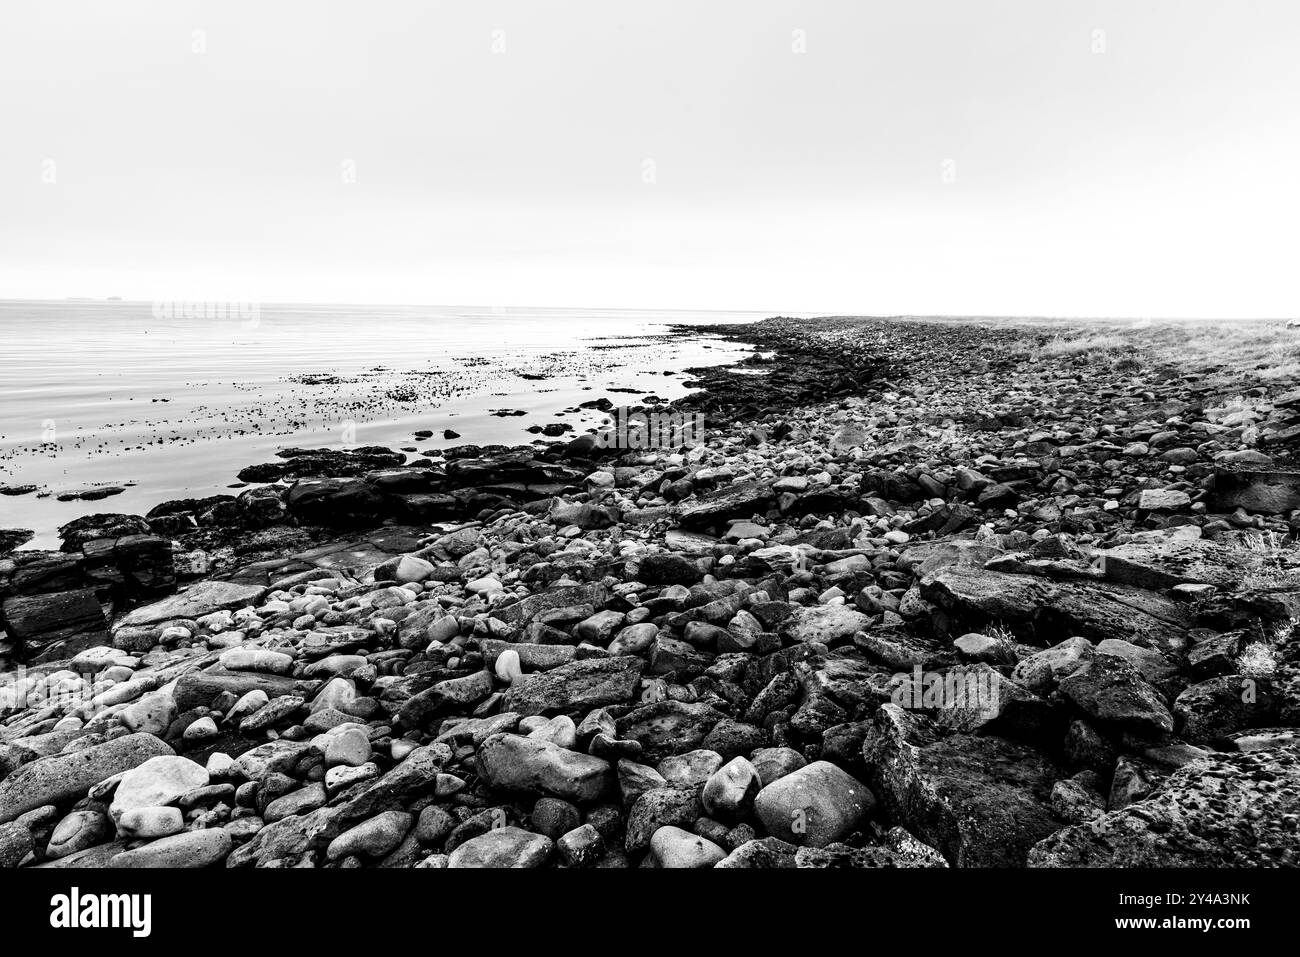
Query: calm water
172, 402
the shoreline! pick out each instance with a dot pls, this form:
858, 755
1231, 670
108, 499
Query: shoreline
1085, 529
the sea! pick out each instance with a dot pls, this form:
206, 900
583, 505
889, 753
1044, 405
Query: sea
167, 400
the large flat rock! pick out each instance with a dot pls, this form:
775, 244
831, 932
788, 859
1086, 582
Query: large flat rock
66, 777
740, 500
41, 621
578, 687
1045, 611
564, 596
196, 601
1266, 492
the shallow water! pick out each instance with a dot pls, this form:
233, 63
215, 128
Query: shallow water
172, 402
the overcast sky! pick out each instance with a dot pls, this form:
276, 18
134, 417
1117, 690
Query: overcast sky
1138, 157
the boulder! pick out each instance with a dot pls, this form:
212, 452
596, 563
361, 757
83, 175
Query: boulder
1111, 692
69, 775
503, 847
815, 805
980, 800
514, 763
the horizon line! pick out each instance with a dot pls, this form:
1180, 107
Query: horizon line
770, 314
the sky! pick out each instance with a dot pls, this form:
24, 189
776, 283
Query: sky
980, 157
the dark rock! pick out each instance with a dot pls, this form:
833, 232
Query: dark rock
982, 801
577, 688
1230, 810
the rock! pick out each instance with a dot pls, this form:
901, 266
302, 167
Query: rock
350, 747
256, 659
908, 852
150, 822
815, 805
764, 853
658, 808
980, 800
514, 763
1163, 500
78, 831
1108, 690
739, 500
156, 783
69, 775
42, 624
772, 764
667, 569
410, 568
199, 689
1259, 491
581, 846
1228, 811
192, 849
830, 625
577, 688
1210, 711
445, 697
526, 609
302, 801
1039, 610
665, 728
152, 713
337, 502
730, 791
270, 714
554, 817
559, 731
15, 844
196, 601
673, 847
204, 729
1041, 671
372, 838
503, 847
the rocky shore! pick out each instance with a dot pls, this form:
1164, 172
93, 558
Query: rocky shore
931, 594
